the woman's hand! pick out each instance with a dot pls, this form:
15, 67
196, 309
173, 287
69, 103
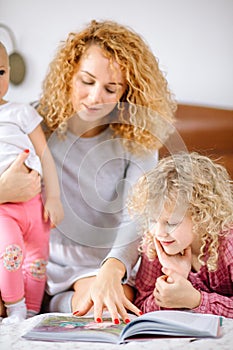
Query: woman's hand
175, 291
105, 291
17, 184
180, 263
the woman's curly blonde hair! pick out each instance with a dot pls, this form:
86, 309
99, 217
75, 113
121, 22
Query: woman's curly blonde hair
147, 88
196, 181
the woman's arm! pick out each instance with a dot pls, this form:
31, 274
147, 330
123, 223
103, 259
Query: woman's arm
109, 289
125, 247
18, 185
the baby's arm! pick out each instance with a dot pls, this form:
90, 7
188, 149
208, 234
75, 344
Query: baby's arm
52, 208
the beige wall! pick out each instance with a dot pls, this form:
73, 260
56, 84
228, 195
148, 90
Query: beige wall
192, 38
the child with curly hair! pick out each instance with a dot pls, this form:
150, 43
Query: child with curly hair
185, 205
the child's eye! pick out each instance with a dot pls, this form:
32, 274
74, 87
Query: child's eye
2, 71
172, 225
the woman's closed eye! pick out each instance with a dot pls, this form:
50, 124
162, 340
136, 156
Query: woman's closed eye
110, 90
88, 82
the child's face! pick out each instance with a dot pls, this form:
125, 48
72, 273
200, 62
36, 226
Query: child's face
96, 86
4, 73
174, 233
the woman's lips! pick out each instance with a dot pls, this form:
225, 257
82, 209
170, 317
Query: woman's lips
91, 108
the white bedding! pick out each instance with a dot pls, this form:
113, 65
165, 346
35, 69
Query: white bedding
10, 339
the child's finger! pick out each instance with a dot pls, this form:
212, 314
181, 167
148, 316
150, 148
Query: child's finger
159, 249
188, 253
167, 272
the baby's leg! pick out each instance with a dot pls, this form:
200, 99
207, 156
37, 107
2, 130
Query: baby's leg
16, 312
11, 260
36, 255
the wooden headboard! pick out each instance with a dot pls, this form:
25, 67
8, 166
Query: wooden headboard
208, 131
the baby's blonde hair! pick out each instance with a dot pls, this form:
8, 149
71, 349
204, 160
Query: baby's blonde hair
147, 88
196, 181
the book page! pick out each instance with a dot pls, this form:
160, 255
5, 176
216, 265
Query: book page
55, 327
174, 323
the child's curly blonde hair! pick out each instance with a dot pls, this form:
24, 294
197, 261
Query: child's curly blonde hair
203, 185
147, 87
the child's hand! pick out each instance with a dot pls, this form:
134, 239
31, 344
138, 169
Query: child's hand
175, 291
53, 210
180, 263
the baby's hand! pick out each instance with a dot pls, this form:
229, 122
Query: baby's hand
53, 210
180, 263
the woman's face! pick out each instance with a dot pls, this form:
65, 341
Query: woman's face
96, 86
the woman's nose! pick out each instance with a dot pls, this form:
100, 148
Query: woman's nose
95, 95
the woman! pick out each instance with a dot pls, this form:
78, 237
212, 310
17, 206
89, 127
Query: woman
107, 108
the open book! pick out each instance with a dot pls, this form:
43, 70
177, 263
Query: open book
66, 327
